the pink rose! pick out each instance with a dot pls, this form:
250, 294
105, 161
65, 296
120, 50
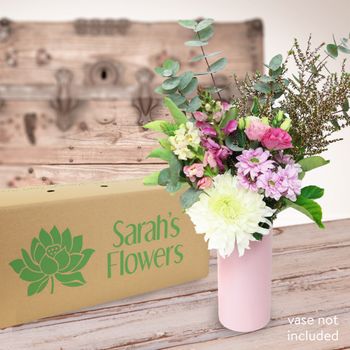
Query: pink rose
193, 171
256, 130
204, 183
276, 139
200, 116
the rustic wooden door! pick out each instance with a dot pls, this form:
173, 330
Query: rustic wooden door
74, 95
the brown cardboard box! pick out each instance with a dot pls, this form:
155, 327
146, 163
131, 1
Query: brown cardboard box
71, 246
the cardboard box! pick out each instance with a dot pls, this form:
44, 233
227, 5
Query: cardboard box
72, 246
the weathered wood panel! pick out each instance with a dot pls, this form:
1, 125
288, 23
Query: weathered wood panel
103, 127
311, 277
142, 44
62, 174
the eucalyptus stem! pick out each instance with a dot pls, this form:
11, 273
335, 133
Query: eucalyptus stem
208, 65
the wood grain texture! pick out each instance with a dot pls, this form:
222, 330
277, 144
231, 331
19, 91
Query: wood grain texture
311, 277
105, 127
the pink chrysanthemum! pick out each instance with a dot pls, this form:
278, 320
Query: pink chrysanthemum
253, 162
281, 183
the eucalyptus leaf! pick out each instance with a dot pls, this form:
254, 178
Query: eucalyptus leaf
177, 99
164, 177
206, 34
344, 49
200, 57
231, 143
189, 197
185, 79
217, 65
192, 86
262, 87
188, 23
172, 65
171, 83
332, 50
276, 62
194, 104
196, 43
204, 24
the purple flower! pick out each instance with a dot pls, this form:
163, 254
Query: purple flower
253, 162
230, 127
281, 183
270, 181
247, 182
206, 128
215, 154
284, 159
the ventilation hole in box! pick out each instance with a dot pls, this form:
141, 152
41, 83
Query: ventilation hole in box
50, 191
104, 186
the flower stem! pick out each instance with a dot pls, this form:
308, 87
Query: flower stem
52, 284
211, 74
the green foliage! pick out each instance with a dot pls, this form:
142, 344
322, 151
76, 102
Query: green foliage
206, 34
161, 153
191, 87
332, 50
188, 23
53, 256
217, 65
313, 162
308, 207
205, 23
189, 197
161, 126
231, 114
151, 179
275, 62
312, 192
177, 114
171, 83
196, 43
185, 79
168, 69
194, 104
200, 57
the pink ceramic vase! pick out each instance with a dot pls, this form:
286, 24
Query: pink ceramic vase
244, 287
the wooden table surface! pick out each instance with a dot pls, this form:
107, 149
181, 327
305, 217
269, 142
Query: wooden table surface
311, 278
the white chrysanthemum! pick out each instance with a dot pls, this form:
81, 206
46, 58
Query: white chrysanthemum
186, 137
227, 214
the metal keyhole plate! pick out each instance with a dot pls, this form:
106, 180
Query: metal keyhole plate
104, 73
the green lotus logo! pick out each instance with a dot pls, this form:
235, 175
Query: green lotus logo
53, 256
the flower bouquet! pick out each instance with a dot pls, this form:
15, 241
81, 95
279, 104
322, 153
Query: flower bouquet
243, 160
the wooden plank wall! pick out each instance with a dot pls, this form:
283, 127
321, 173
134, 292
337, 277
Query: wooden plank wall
105, 140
